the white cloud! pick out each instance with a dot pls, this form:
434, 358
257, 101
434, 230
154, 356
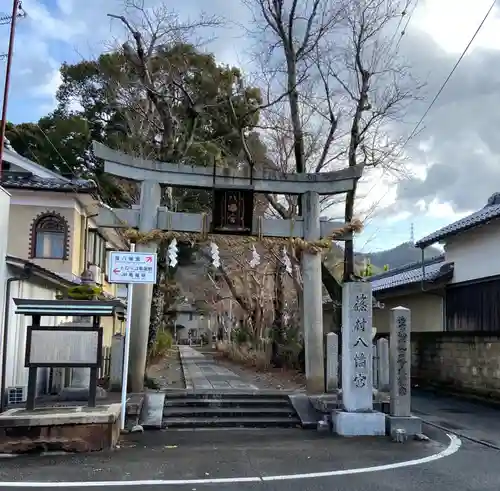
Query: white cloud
451, 23
66, 6
48, 25
435, 209
398, 217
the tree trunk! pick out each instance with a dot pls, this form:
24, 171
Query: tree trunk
278, 328
349, 244
158, 300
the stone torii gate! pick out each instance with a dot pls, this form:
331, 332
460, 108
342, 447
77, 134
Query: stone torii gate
239, 186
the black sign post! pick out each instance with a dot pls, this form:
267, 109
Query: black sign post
36, 359
58, 363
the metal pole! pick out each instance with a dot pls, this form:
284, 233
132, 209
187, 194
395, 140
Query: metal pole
126, 354
3, 124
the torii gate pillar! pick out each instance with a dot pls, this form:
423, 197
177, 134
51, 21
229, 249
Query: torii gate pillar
312, 298
140, 310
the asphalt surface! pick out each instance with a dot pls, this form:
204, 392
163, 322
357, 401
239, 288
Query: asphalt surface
464, 418
199, 457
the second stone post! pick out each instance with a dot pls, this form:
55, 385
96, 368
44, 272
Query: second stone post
400, 418
332, 362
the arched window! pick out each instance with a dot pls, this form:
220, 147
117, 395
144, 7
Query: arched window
50, 234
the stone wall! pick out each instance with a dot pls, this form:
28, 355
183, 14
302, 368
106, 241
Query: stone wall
460, 362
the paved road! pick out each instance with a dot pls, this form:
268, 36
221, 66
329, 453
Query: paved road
259, 455
202, 374
248, 459
466, 419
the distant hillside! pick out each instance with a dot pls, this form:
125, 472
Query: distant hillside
334, 261
398, 256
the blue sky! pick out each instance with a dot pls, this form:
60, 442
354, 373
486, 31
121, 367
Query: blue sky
57, 31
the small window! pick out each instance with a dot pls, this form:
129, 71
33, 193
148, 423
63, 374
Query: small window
96, 249
50, 237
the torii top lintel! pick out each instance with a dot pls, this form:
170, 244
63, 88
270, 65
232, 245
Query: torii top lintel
263, 181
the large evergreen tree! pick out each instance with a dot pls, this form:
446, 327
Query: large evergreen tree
106, 100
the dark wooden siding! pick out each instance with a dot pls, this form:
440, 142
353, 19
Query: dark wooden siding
473, 307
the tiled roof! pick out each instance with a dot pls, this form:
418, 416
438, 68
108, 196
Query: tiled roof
434, 269
490, 212
30, 181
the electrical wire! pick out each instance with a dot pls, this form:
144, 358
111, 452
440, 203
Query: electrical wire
439, 92
403, 13
403, 32
445, 83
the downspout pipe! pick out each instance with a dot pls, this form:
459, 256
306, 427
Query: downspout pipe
422, 287
26, 274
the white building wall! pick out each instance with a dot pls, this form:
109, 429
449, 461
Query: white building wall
16, 373
476, 253
189, 321
4, 234
426, 312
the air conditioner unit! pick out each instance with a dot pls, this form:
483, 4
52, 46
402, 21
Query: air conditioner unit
16, 395
97, 274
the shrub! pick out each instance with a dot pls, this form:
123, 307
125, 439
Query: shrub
245, 354
240, 335
160, 346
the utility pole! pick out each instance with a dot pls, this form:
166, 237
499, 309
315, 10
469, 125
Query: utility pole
16, 12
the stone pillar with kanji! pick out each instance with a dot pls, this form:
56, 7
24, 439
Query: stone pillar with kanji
400, 422
357, 417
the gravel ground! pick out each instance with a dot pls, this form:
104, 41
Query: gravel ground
274, 378
168, 372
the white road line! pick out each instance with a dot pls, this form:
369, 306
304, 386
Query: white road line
452, 448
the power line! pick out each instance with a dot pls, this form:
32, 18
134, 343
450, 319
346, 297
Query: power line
464, 52
7, 19
402, 16
403, 32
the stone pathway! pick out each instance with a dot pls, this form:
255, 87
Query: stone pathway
201, 373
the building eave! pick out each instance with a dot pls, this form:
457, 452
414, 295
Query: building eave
424, 275
77, 190
39, 271
488, 214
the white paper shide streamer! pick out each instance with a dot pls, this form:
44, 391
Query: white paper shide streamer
286, 261
172, 253
214, 249
255, 261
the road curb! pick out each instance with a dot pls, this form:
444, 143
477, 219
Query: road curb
460, 435
188, 382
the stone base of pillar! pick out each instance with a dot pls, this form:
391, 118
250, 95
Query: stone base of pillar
345, 423
409, 424
79, 394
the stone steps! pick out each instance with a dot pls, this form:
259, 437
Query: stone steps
253, 410
232, 422
232, 402
215, 411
